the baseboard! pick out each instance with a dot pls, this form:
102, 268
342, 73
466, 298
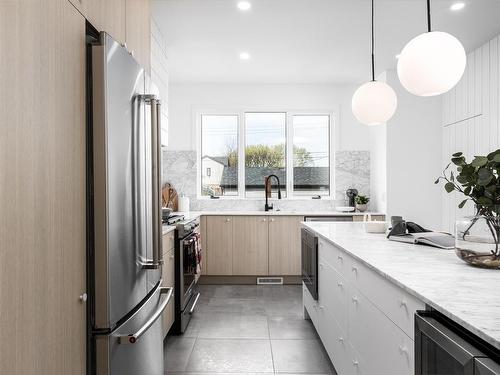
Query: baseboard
243, 280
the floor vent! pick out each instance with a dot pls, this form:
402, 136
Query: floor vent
269, 281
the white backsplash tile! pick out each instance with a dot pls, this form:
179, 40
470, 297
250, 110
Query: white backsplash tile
352, 170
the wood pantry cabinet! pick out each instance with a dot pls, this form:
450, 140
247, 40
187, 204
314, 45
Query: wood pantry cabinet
252, 245
42, 188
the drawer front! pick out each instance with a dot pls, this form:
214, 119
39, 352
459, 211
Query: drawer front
379, 342
334, 256
168, 317
397, 304
168, 269
332, 290
335, 341
168, 242
310, 305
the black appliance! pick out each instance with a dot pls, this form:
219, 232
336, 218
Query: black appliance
310, 262
351, 197
444, 348
188, 263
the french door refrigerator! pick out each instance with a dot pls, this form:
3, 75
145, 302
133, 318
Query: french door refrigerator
126, 299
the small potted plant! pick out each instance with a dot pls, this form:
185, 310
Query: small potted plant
477, 237
362, 202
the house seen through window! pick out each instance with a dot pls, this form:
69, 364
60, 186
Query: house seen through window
268, 139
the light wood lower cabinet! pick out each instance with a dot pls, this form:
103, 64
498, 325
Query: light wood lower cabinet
284, 245
42, 188
250, 245
168, 277
219, 242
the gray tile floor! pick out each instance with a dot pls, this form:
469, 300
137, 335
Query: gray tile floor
247, 329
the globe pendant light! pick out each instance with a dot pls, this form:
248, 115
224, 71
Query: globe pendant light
374, 102
431, 63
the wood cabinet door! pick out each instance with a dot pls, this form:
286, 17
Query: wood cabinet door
219, 242
106, 15
138, 31
284, 245
42, 188
250, 245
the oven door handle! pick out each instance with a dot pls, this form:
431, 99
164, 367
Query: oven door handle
132, 338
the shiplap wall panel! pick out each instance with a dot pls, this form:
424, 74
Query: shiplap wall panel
471, 115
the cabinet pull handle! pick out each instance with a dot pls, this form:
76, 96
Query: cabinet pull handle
355, 299
228, 220
355, 363
339, 257
321, 265
354, 269
403, 303
264, 220
171, 257
83, 297
321, 307
340, 284
403, 349
341, 339
272, 220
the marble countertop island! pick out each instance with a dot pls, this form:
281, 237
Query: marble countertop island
469, 296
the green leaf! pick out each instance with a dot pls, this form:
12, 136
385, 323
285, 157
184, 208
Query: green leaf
462, 179
467, 190
479, 161
449, 187
437, 181
457, 154
458, 161
462, 204
484, 201
484, 177
496, 158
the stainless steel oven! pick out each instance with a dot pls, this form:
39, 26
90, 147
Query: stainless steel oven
444, 348
310, 262
188, 263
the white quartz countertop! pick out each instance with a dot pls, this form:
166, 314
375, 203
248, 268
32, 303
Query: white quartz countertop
470, 296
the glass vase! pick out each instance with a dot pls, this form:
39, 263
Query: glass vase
477, 241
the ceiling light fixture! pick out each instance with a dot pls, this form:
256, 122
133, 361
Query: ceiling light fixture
244, 56
244, 5
457, 6
374, 102
431, 63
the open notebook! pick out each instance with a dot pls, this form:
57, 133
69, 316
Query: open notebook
436, 239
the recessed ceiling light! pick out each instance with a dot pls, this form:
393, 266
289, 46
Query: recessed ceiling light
458, 6
244, 56
244, 5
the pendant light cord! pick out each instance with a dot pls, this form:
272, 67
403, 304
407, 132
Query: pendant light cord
429, 15
373, 44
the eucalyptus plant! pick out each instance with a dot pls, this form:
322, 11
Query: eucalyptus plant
479, 182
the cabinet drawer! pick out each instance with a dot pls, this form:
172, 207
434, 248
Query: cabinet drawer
168, 241
332, 255
332, 290
335, 341
168, 317
168, 269
310, 305
393, 301
379, 342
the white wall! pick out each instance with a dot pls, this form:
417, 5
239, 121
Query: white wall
470, 117
413, 154
185, 99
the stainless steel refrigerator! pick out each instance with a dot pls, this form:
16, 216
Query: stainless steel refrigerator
124, 167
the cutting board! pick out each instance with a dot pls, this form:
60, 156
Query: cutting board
170, 198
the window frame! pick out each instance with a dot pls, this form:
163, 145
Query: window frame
241, 131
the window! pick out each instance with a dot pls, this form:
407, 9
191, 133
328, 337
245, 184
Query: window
295, 147
265, 151
219, 155
311, 154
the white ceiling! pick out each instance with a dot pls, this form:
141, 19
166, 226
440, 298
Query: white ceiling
305, 41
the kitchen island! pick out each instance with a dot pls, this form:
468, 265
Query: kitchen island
370, 288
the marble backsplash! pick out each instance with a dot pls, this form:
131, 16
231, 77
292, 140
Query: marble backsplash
352, 170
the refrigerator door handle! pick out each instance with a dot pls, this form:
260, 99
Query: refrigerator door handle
132, 338
155, 106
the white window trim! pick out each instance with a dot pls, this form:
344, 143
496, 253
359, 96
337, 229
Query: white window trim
334, 142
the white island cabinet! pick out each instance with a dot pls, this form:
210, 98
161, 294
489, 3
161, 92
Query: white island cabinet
364, 321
